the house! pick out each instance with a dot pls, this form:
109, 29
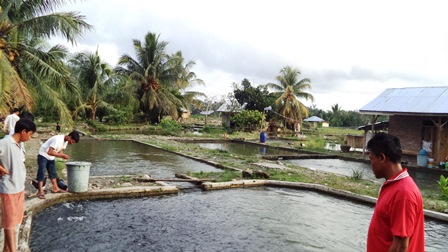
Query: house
229, 108
417, 116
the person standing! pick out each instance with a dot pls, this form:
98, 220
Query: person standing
12, 182
52, 148
10, 121
397, 223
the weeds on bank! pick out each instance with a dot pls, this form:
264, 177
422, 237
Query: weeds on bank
226, 175
363, 187
357, 174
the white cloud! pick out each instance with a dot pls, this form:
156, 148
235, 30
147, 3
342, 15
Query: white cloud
351, 50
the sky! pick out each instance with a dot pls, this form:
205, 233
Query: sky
352, 50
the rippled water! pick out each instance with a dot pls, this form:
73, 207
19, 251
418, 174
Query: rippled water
257, 219
247, 149
130, 158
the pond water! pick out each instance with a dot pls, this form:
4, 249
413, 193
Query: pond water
338, 166
347, 168
247, 149
255, 219
132, 158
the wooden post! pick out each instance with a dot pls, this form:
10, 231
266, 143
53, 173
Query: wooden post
439, 126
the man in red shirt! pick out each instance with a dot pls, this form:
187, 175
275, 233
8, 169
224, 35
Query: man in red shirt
398, 220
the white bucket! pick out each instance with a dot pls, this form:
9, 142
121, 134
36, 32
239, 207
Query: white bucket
78, 176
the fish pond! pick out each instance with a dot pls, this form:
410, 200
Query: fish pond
251, 219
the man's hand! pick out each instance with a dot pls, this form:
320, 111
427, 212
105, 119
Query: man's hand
3, 171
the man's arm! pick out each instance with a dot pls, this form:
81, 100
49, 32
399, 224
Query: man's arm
399, 244
5, 124
61, 154
3, 171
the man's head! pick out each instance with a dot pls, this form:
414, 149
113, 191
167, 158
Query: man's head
25, 128
15, 111
384, 150
73, 137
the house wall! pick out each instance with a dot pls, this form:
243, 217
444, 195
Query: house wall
411, 131
225, 119
408, 129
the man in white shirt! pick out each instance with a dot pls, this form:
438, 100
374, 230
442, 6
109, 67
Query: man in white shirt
10, 122
52, 148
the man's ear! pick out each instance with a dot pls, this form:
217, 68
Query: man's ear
382, 157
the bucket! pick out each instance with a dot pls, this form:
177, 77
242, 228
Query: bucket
262, 137
78, 176
422, 158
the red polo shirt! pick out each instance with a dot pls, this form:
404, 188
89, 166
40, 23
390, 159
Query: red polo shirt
398, 212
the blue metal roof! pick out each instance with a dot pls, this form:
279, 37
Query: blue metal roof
414, 100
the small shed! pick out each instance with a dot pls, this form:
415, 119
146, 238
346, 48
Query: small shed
370, 129
315, 120
229, 108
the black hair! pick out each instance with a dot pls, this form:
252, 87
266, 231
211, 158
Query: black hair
387, 144
27, 115
14, 110
24, 124
74, 135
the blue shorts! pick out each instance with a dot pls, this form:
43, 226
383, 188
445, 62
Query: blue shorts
45, 164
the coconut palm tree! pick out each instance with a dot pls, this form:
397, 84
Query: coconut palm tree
157, 75
188, 78
289, 89
27, 67
95, 78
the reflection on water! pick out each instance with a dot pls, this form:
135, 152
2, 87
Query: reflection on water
247, 149
128, 157
258, 219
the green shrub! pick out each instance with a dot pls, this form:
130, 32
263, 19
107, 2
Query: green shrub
169, 127
443, 185
119, 117
248, 118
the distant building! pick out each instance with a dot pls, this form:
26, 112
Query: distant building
316, 120
229, 108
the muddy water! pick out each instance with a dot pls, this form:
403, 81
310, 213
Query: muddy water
259, 219
131, 158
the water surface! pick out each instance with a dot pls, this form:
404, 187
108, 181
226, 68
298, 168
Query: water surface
132, 158
256, 219
247, 149
347, 168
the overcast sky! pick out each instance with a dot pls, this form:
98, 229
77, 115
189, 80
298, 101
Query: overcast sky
351, 50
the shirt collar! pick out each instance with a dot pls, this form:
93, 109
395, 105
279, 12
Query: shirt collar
401, 175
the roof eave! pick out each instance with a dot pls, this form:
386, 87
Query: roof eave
391, 113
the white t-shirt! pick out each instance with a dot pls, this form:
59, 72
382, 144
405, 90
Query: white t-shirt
10, 123
56, 142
